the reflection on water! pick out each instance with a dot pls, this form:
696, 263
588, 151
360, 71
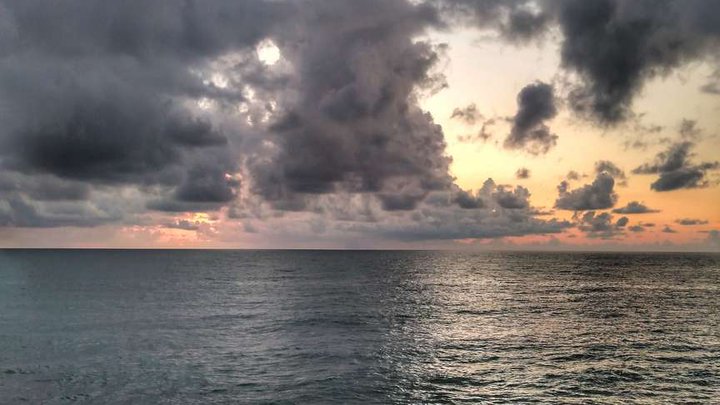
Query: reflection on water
309, 327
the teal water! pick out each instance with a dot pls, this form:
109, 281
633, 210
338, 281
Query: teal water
199, 327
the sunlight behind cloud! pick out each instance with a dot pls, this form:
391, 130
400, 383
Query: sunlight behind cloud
268, 52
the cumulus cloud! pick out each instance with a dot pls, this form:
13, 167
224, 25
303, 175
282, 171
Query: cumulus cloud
601, 225
597, 195
676, 170
634, 207
536, 104
606, 166
111, 112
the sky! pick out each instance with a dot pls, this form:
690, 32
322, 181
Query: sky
373, 124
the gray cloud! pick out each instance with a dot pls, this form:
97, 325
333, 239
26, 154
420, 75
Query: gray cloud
536, 104
667, 229
606, 166
184, 225
691, 221
615, 46
467, 200
522, 173
676, 170
601, 225
597, 195
634, 207
110, 110
355, 125
469, 114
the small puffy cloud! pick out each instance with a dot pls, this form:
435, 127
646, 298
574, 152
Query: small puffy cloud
606, 166
573, 176
601, 225
522, 173
634, 207
691, 221
667, 229
597, 195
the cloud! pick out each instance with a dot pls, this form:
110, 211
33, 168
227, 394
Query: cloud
689, 130
634, 207
353, 123
691, 221
184, 225
536, 104
469, 115
676, 170
573, 175
616, 46
613, 46
483, 135
601, 225
522, 173
111, 112
597, 195
606, 166
467, 200
667, 229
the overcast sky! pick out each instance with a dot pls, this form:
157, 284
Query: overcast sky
470, 124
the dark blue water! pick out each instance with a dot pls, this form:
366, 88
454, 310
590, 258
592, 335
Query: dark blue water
358, 327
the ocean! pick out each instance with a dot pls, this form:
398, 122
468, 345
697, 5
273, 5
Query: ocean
312, 327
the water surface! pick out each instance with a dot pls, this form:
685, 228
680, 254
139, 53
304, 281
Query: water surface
357, 327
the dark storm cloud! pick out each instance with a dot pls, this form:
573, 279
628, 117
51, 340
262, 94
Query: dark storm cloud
18, 211
96, 95
606, 166
355, 125
206, 184
43, 188
676, 170
691, 221
597, 195
634, 207
615, 46
522, 173
536, 104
